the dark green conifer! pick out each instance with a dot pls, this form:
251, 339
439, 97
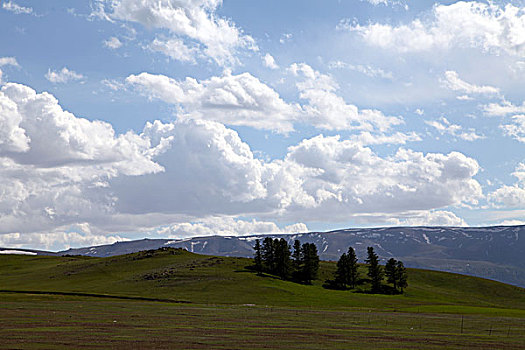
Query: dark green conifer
297, 257
310, 264
283, 264
375, 272
402, 276
353, 275
258, 257
391, 272
268, 255
341, 274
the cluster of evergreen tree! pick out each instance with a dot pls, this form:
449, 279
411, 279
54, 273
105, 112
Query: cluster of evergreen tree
347, 275
274, 256
396, 274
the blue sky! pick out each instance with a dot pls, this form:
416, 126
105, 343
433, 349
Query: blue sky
124, 119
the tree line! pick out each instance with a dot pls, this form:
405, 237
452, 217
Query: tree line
274, 256
347, 275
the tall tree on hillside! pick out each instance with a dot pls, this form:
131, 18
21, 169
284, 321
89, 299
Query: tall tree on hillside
375, 272
391, 272
346, 273
268, 255
310, 266
402, 277
258, 257
297, 257
283, 263
396, 274
353, 275
341, 273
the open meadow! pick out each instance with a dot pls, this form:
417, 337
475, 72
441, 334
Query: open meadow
176, 299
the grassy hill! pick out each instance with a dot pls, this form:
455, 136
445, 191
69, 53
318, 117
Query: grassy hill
215, 289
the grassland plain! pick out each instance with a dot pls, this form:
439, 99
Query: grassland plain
176, 299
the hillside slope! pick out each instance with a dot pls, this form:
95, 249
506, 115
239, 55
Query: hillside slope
179, 275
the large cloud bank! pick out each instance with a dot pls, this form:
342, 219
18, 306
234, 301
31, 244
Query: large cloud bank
60, 170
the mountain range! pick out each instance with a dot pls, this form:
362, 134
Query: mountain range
495, 252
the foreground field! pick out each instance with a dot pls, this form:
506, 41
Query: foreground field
211, 302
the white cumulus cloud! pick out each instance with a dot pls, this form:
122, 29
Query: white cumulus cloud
59, 171
339, 177
269, 61
503, 109
388, 3
512, 222
327, 110
453, 82
12, 136
175, 49
55, 241
8, 61
195, 20
113, 43
429, 218
63, 76
227, 226
511, 196
55, 165
230, 99
516, 129
443, 126
17, 9
244, 100
367, 70
367, 138
461, 24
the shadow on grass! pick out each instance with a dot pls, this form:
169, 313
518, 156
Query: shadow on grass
246, 269
384, 289
94, 295
251, 269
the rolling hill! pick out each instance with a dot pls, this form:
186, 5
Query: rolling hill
489, 252
176, 274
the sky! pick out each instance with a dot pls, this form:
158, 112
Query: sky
125, 119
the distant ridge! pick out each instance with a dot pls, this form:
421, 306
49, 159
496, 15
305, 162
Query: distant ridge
496, 252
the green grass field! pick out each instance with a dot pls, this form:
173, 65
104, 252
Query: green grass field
176, 299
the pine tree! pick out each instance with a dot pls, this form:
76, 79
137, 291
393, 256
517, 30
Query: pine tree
268, 255
396, 274
346, 274
353, 274
258, 257
391, 272
375, 271
341, 274
297, 257
402, 276
310, 264
282, 258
